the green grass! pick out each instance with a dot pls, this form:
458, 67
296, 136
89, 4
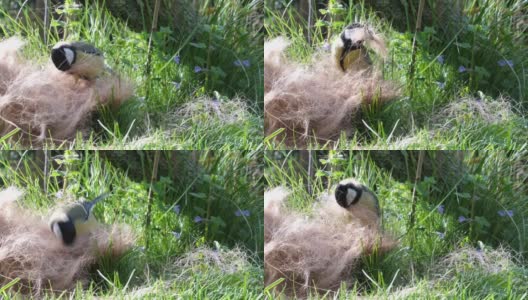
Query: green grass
440, 107
440, 255
225, 44
173, 255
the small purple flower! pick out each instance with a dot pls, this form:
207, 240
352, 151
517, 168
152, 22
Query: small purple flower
326, 47
176, 209
198, 219
462, 69
242, 63
240, 213
441, 209
59, 194
177, 59
197, 69
441, 59
440, 234
505, 62
462, 219
504, 213
176, 84
176, 234
441, 85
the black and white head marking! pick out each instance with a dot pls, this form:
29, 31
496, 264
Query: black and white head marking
63, 56
348, 36
65, 230
348, 194
350, 40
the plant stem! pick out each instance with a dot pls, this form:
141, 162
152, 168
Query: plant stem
149, 206
415, 48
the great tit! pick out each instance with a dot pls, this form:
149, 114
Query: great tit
349, 192
79, 59
349, 48
73, 220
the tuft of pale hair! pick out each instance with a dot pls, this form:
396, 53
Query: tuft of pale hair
274, 60
376, 42
33, 255
10, 62
46, 104
318, 101
273, 201
320, 252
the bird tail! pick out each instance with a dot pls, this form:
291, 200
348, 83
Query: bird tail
90, 205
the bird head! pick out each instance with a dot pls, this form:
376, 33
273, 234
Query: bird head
350, 193
352, 43
74, 219
78, 58
63, 56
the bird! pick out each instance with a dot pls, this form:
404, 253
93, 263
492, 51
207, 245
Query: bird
78, 58
74, 220
350, 47
323, 101
322, 250
350, 193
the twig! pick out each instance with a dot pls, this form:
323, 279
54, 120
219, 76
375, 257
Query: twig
414, 47
149, 206
310, 171
309, 22
413, 207
149, 49
46, 170
412, 219
20, 10
46, 21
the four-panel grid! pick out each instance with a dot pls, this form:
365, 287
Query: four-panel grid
263, 149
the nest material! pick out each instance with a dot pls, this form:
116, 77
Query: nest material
47, 104
320, 252
320, 100
232, 111
33, 255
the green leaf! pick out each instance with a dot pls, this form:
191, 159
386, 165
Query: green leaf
198, 195
463, 45
482, 222
198, 45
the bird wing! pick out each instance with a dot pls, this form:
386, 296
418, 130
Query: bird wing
87, 48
